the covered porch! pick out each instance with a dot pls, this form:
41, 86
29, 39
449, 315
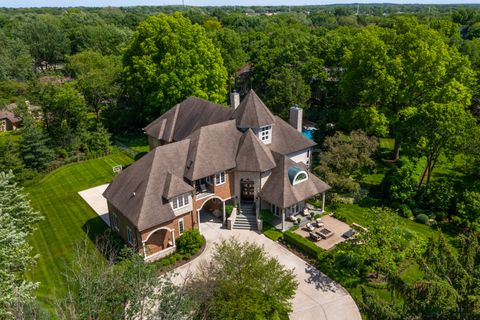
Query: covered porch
158, 243
298, 214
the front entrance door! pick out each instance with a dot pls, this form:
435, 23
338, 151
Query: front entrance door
247, 190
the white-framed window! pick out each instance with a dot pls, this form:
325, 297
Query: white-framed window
181, 226
130, 236
266, 134
300, 177
180, 201
220, 178
276, 210
114, 221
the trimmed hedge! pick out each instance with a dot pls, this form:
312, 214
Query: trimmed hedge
422, 218
271, 232
302, 244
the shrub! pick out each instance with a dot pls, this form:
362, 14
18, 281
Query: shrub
405, 211
229, 209
440, 195
340, 217
271, 232
422, 218
190, 242
266, 216
469, 207
302, 244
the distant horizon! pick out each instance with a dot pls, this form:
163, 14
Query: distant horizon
211, 3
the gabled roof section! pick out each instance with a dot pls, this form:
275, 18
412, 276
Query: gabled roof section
186, 117
137, 191
5, 114
252, 112
253, 155
286, 139
279, 190
212, 149
175, 186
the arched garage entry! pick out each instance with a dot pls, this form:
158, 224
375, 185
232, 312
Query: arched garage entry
212, 210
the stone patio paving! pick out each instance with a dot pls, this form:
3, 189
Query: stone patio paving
338, 227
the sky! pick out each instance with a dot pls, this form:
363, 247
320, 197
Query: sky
118, 3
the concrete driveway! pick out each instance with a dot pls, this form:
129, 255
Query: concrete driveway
317, 297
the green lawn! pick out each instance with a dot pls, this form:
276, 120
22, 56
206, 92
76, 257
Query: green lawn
67, 218
135, 141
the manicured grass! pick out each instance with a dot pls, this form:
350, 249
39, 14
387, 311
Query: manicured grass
356, 213
67, 218
136, 141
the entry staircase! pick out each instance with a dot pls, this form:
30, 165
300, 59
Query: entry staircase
246, 218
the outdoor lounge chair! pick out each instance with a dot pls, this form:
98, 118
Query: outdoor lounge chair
292, 218
315, 237
310, 227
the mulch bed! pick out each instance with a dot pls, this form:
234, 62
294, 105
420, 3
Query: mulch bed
164, 269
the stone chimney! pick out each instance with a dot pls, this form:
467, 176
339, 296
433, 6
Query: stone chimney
296, 118
234, 99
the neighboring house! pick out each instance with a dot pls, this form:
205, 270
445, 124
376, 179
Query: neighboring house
203, 156
8, 121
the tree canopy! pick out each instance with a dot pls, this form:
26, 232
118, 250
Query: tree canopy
168, 60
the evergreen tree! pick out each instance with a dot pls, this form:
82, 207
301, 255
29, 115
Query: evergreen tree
33, 146
17, 222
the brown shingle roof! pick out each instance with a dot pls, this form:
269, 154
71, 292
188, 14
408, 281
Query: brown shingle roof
213, 149
175, 186
253, 155
4, 114
137, 191
279, 190
286, 139
252, 112
186, 117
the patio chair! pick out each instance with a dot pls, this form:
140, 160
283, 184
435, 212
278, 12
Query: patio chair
310, 227
305, 212
203, 188
292, 218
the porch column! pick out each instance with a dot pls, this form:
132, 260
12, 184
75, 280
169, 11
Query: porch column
173, 237
198, 219
323, 202
224, 213
283, 219
144, 250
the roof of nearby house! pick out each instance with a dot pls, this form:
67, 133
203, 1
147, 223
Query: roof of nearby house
212, 149
252, 112
139, 191
253, 155
186, 117
4, 114
280, 191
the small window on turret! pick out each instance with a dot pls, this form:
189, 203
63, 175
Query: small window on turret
266, 134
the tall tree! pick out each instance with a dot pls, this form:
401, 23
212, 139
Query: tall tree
17, 222
34, 149
47, 41
64, 112
168, 60
408, 65
97, 77
242, 282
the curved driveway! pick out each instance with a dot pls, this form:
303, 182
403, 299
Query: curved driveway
317, 296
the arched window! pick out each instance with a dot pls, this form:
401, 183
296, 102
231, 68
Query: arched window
297, 175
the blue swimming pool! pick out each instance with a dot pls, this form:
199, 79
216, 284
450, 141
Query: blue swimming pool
308, 133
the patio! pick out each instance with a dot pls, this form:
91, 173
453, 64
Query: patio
336, 226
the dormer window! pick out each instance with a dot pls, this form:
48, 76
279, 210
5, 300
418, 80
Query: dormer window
265, 134
180, 201
297, 175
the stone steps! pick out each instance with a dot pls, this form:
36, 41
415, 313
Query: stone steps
246, 217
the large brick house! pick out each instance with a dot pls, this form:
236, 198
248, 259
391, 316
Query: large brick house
204, 155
